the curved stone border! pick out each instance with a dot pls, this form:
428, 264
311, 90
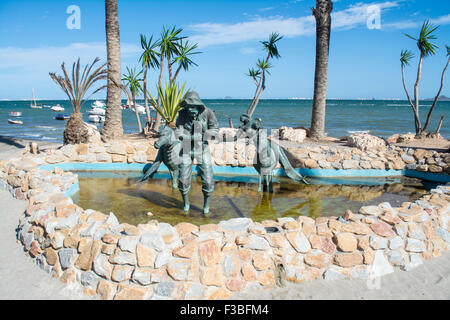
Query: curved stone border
160, 261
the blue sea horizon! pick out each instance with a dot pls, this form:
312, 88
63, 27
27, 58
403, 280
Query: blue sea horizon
378, 117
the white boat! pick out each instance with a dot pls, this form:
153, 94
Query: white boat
140, 109
15, 114
57, 108
34, 105
96, 118
98, 104
97, 111
15, 121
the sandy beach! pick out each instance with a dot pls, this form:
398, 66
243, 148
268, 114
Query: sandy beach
13, 147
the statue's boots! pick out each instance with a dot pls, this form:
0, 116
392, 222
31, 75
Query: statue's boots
206, 202
187, 205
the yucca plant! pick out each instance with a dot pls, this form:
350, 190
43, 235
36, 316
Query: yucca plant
171, 95
168, 48
426, 49
76, 87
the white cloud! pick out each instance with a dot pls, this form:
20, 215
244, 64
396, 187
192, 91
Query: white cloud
50, 58
441, 20
207, 34
409, 24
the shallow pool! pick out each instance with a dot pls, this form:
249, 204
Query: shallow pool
237, 197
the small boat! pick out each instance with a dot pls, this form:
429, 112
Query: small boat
98, 104
57, 108
96, 118
15, 114
15, 121
61, 116
34, 105
97, 111
140, 109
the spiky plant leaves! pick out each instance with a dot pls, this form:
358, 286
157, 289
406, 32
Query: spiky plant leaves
171, 96
76, 87
426, 47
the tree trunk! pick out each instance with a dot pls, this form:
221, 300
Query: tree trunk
322, 14
258, 84
136, 111
416, 98
176, 73
425, 127
261, 90
439, 126
169, 67
158, 116
75, 131
147, 109
112, 128
230, 122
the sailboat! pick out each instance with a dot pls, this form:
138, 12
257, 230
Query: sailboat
34, 105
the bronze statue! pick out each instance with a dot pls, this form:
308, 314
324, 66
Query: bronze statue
169, 148
268, 154
196, 124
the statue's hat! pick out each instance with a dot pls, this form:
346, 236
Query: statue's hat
192, 99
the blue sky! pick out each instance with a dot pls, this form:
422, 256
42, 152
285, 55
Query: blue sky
364, 63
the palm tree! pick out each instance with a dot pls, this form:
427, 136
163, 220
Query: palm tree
426, 49
322, 14
149, 59
263, 66
171, 97
132, 80
112, 128
76, 88
168, 48
184, 51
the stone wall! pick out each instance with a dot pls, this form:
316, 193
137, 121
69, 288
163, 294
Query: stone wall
158, 261
240, 154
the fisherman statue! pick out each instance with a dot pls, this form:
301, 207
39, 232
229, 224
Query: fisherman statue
195, 126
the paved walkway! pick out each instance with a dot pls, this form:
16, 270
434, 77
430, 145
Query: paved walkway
20, 278
430, 281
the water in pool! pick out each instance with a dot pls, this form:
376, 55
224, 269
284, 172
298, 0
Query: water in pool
237, 197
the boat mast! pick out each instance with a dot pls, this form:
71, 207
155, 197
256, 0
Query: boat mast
34, 98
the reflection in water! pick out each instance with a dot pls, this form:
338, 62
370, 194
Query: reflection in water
131, 202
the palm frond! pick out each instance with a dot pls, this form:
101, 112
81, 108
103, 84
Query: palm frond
184, 51
76, 86
150, 55
405, 57
132, 80
426, 47
168, 42
270, 45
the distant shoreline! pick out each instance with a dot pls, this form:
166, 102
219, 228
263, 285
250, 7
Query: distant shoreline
445, 99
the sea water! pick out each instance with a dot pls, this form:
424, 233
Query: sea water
378, 117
